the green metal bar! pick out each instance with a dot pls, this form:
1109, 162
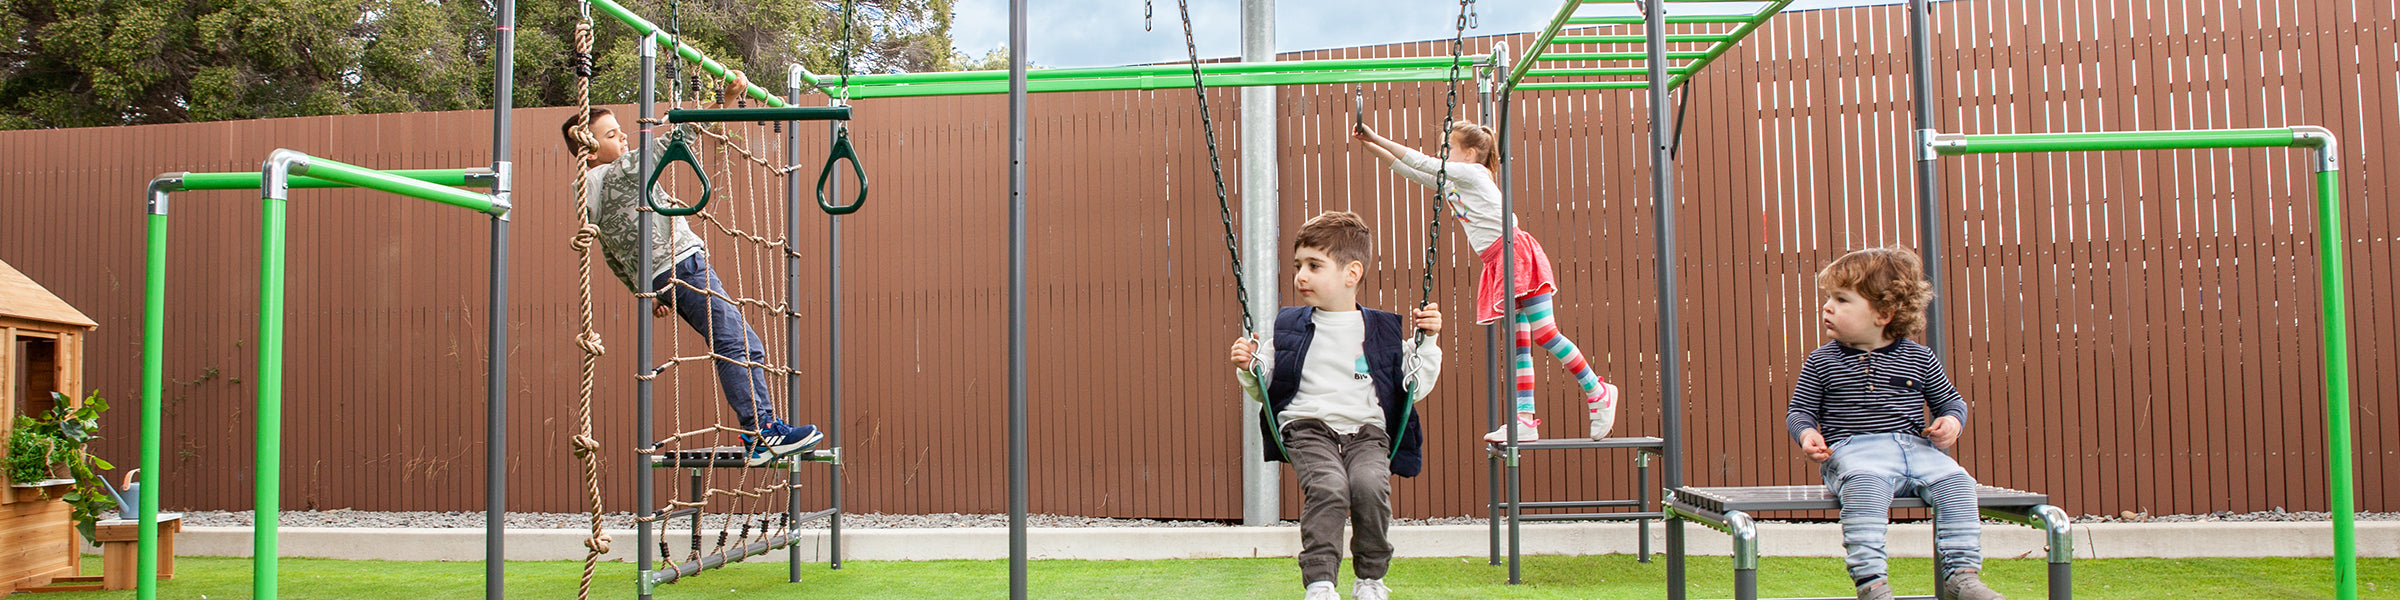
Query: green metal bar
1603, 71
644, 27
154, 316
2112, 140
250, 180
1147, 83
268, 478
1600, 56
1671, 19
788, 113
2337, 381
348, 174
1764, 13
1533, 53
1672, 38
2333, 313
1587, 85
1179, 69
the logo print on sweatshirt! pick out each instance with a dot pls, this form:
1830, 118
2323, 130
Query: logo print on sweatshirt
1358, 370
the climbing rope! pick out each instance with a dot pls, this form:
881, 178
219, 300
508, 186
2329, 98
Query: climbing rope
584, 445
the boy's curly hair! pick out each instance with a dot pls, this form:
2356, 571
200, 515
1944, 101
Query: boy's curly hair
1891, 279
1340, 234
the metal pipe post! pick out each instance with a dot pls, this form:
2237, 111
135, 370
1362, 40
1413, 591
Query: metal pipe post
1016, 300
1670, 354
643, 481
1929, 194
1745, 554
268, 514
154, 316
1508, 250
791, 316
833, 327
1261, 229
495, 477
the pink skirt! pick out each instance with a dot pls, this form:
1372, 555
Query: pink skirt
1533, 276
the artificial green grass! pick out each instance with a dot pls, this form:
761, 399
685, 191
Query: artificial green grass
1615, 576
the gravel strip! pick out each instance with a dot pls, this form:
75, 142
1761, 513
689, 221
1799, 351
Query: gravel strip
474, 520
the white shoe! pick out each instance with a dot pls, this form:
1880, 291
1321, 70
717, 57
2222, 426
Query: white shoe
1604, 410
1525, 431
1370, 589
1322, 590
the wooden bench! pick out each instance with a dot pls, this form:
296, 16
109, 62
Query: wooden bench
120, 555
1728, 509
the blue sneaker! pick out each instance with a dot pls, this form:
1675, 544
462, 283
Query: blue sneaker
778, 440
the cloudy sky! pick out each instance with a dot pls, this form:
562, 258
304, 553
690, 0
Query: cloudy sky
1102, 33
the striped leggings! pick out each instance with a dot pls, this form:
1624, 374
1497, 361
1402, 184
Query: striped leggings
1535, 323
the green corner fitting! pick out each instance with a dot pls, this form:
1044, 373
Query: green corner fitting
689, 53
2333, 312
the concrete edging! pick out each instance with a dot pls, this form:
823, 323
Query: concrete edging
2097, 540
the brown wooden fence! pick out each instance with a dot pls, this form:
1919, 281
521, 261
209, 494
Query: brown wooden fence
2135, 330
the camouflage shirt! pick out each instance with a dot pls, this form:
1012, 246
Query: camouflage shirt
614, 193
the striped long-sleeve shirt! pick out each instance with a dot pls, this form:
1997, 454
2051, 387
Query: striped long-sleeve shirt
1845, 391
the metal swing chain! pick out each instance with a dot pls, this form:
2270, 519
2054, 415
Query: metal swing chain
1241, 290
1148, 11
1441, 180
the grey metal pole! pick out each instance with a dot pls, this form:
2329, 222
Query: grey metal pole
833, 352
495, 458
1508, 253
791, 316
1670, 363
644, 531
1929, 194
1016, 300
1261, 228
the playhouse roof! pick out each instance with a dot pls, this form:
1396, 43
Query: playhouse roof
21, 298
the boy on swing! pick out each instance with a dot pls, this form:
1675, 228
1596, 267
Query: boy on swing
1339, 404
612, 194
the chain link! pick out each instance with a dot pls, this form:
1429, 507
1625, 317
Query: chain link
1241, 290
1148, 12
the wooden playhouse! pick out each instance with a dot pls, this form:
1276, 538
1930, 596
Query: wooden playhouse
41, 351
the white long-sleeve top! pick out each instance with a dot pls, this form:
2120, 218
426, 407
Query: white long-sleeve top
1474, 197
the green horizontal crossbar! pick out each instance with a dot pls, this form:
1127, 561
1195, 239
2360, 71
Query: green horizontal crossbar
1603, 72
787, 113
1603, 56
1586, 85
645, 28
249, 180
1672, 38
1671, 19
1182, 69
2113, 140
357, 176
1158, 82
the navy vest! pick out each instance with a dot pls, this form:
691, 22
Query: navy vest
1294, 329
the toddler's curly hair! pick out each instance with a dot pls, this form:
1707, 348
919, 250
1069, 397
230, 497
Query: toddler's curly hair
1891, 279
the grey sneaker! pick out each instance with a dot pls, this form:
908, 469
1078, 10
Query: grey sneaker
1370, 589
1965, 585
1879, 589
1322, 590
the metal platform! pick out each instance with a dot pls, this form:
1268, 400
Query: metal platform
1727, 509
1816, 497
1508, 506
737, 457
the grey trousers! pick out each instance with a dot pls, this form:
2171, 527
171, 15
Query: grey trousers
1343, 479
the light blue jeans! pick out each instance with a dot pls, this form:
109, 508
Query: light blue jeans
1868, 471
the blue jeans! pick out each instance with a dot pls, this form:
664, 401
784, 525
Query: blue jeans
729, 337
1868, 471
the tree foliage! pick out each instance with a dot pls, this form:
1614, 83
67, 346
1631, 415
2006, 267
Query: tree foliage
83, 63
